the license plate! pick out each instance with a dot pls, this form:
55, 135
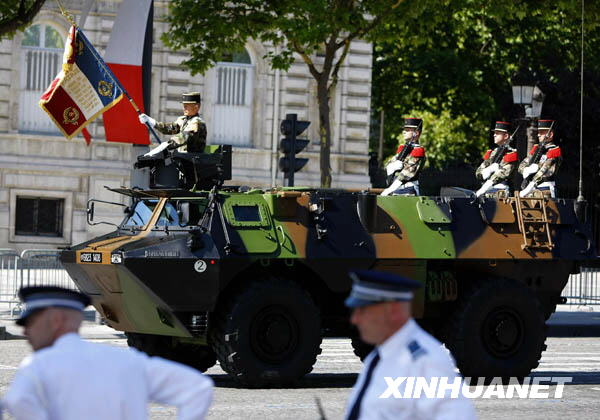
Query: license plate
90, 257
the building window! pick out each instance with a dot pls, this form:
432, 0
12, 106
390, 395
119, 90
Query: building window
41, 60
37, 216
233, 87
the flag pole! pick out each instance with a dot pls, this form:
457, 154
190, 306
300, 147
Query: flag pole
71, 20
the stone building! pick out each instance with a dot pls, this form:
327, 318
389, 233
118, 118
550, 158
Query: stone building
46, 180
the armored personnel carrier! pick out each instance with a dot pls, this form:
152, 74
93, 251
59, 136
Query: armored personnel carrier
256, 278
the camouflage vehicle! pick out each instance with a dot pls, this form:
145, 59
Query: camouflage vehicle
256, 278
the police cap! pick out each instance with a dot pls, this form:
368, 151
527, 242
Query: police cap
191, 98
36, 298
371, 287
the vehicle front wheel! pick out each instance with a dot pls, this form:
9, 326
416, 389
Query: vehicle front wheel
267, 334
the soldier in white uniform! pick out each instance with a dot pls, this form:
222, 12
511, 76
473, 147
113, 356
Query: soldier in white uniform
380, 305
68, 378
189, 129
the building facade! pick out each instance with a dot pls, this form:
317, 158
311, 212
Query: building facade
46, 180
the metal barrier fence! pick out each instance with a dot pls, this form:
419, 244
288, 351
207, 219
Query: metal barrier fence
583, 288
33, 267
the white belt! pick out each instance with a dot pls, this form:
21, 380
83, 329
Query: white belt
500, 186
549, 184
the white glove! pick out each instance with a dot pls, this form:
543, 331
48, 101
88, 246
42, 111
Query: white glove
487, 172
531, 169
394, 166
527, 190
158, 149
395, 185
484, 188
146, 119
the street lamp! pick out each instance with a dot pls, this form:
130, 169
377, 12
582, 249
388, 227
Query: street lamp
526, 93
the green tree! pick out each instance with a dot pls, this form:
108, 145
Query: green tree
211, 28
463, 64
17, 14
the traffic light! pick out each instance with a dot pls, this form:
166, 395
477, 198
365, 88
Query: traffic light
290, 145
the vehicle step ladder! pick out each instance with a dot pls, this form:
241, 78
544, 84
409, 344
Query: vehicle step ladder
533, 222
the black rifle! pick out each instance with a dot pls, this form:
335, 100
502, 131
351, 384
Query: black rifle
539, 152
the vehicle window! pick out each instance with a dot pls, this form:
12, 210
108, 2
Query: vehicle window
168, 216
246, 213
141, 213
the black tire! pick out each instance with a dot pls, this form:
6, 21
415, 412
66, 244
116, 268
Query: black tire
361, 349
198, 357
267, 334
497, 330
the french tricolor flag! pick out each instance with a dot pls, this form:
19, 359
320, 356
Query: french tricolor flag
129, 56
84, 89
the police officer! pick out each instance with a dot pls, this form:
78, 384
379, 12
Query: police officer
189, 129
540, 166
380, 304
404, 167
498, 164
69, 378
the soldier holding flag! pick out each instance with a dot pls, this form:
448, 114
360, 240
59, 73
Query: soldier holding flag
189, 129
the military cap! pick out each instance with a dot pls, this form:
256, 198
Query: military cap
191, 98
546, 124
36, 298
502, 126
371, 287
412, 122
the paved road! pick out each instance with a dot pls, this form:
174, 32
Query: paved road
336, 371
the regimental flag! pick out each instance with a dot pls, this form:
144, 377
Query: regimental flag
84, 89
129, 56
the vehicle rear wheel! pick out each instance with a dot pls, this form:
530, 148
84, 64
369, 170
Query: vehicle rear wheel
198, 357
267, 334
497, 330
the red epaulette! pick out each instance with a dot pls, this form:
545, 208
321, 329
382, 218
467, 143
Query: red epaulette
510, 157
553, 153
533, 149
487, 154
418, 151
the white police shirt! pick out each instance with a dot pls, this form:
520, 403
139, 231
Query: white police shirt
75, 379
410, 352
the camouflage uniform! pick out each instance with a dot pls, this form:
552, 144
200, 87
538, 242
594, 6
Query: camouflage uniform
190, 131
413, 163
507, 165
548, 165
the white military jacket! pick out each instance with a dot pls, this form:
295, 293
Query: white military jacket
75, 379
410, 352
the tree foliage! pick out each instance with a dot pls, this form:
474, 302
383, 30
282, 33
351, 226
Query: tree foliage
17, 14
458, 62
210, 29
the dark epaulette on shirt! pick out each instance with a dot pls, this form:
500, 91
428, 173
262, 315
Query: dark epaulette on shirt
416, 350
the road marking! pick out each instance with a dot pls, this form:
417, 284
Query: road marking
6, 367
